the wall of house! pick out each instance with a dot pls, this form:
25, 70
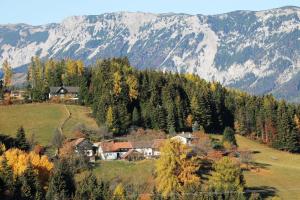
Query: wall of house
146, 151
180, 138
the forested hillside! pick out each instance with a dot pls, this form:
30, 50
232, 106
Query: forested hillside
123, 97
256, 51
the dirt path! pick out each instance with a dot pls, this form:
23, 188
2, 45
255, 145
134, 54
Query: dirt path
61, 127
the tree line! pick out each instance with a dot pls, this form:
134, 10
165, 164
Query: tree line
122, 98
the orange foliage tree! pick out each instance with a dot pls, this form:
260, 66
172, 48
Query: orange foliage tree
20, 160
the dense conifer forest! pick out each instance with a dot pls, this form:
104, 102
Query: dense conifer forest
123, 98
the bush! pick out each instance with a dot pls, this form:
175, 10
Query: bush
228, 136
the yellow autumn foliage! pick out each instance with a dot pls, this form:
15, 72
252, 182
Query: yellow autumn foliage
117, 83
20, 160
175, 169
132, 83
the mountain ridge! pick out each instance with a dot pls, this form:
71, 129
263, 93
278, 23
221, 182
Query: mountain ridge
256, 51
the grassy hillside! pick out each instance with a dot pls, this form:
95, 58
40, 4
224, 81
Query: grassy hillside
43, 119
78, 115
280, 170
279, 173
137, 173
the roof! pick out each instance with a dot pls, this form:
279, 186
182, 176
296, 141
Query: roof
78, 141
157, 143
75, 142
142, 144
70, 89
115, 146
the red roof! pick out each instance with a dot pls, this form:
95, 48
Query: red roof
115, 146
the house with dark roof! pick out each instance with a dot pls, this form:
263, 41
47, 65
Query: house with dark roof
83, 147
64, 92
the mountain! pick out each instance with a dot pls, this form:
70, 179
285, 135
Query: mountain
258, 52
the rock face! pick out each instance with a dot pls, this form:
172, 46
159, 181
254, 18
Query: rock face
258, 52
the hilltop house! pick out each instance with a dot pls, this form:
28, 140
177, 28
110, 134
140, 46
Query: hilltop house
64, 92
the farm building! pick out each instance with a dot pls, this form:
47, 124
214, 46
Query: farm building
64, 92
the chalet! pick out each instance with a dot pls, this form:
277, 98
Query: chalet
185, 138
64, 92
144, 147
113, 150
17, 94
83, 146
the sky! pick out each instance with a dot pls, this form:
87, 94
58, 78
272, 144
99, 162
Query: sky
37, 12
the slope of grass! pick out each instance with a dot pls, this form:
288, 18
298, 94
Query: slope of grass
280, 170
137, 173
42, 119
78, 115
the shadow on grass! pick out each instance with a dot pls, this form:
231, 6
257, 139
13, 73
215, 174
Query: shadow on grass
264, 191
260, 165
205, 170
256, 152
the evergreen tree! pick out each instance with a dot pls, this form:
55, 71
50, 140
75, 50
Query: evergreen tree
90, 189
228, 136
7, 178
195, 126
136, 119
28, 181
61, 184
21, 141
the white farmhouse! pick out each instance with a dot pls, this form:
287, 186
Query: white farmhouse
112, 150
143, 147
185, 138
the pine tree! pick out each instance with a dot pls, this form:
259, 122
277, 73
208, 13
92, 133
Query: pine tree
228, 136
136, 119
61, 184
195, 126
21, 141
7, 177
89, 189
28, 180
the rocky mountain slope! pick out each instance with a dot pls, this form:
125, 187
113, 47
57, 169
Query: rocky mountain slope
258, 52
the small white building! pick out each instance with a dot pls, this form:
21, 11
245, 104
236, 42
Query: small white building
143, 147
112, 150
185, 138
